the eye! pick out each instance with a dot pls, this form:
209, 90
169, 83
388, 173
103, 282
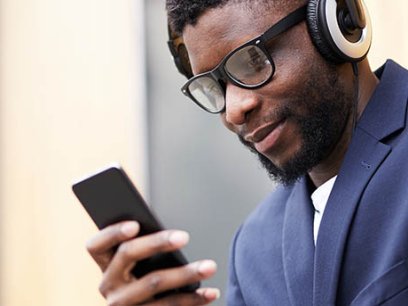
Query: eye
256, 60
211, 88
249, 65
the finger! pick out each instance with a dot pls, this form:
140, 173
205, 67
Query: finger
132, 251
144, 289
210, 294
202, 296
101, 246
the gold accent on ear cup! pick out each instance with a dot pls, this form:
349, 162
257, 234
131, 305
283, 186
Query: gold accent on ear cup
179, 53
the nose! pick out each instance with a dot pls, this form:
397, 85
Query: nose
239, 103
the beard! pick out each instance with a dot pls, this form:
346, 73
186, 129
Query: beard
327, 106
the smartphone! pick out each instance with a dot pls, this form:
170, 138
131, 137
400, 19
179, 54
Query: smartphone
109, 197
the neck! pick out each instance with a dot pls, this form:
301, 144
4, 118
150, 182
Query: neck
330, 166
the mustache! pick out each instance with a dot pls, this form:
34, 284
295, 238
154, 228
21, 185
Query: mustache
276, 115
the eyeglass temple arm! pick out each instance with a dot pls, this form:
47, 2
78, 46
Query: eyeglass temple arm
284, 24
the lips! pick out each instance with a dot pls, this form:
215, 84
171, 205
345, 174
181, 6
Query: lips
265, 136
261, 132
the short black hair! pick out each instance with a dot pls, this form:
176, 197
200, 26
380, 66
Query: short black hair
183, 12
186, 12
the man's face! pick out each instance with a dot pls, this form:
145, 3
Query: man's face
294, 121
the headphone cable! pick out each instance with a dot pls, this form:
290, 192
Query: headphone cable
356, 95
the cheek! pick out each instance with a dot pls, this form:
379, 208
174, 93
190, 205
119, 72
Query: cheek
294, 58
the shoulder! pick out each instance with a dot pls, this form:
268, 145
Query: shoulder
272, 205
266, 218
256, 254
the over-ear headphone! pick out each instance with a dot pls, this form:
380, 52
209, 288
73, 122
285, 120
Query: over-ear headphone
340, 29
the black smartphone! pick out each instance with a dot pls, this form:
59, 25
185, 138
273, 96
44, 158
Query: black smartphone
110, 197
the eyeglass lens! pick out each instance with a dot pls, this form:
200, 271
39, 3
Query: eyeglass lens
248, 66
208, 93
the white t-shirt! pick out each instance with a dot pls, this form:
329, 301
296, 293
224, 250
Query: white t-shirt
319, 199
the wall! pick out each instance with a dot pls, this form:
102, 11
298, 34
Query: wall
71, 101
390, 36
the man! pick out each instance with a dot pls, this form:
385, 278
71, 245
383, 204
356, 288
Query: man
291, 79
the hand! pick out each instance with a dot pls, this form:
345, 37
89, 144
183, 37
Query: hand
120, 287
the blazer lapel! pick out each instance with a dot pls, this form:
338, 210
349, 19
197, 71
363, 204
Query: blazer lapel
298, 245
383, 116
362, 160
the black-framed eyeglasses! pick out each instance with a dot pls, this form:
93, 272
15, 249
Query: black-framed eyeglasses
248, 66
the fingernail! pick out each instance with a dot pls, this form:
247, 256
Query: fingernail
206, 266
213, 294
209, 293
129, 229
179, 238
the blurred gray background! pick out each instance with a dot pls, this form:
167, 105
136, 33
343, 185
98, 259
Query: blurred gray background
201, 178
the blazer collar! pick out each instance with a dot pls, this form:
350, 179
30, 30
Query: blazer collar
386, 111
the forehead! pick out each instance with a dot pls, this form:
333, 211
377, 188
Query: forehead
220, 30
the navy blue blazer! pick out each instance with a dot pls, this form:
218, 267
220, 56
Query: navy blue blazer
361, 255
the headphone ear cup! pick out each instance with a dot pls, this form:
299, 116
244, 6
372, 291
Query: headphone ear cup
317, 33
328, 34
